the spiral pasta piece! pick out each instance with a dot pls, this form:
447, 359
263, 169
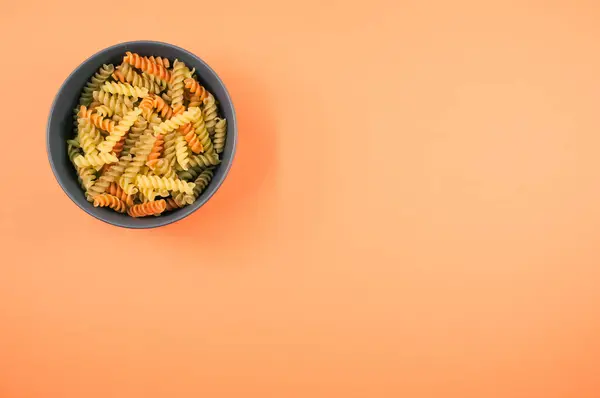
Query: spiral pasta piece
135, 132
147, 105
125, 89
106, 200
202, 161
220, 132
146, 65
126, 74
163, 183
201, 183
182, 152
171, 204
204, 137
195, 101
166, 112
85, 175
157, 149
103, 111
111, 175
118, 104
161, 168
190, 174
119, 131
143, 149
88, 136
209, 113
147, 195
188, 116
95, 159
196, 89
147, 209
115, 190
176, 85
95, 82
97, 120
188, 133
161, 61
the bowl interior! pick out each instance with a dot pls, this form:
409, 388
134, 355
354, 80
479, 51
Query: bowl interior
60, 128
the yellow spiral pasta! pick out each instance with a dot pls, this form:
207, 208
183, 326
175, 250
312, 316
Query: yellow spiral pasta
118, 104
162, 183
104, 111
176, 86
125, 89
204, 137
191, 115
209, 112
143, 148
88, 136
95, 159
120, 130
182, 152
85, 175
94, 84
220, 132
162, 168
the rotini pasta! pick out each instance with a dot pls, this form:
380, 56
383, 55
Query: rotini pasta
94, 84
147, 209
169, 184
145, 130
125, 89
106, 200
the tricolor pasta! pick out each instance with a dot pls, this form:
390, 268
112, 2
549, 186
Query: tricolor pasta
148, 136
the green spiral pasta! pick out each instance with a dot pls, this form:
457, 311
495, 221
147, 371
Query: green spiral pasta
220, 132
209, 112
143, 148
162, 183
118, 104
95, 82
182, 152
111, 175
201, 183
120, 130
176, 86
190, 174
125, 89
202, 161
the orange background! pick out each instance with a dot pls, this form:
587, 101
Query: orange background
414, 209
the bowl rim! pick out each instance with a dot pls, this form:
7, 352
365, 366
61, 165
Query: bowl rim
180, 214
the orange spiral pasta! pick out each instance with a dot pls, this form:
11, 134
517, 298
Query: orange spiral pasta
159, 60
157, 149
147, 209
146, 106
166, 112
106, 200
97, 120
196, 89
188, 132
146, 65
115, 190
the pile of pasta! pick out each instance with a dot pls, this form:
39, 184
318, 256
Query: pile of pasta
147, 136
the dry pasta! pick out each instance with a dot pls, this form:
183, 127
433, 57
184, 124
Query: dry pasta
148, 136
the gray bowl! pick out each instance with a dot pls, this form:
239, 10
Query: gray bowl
60, 128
